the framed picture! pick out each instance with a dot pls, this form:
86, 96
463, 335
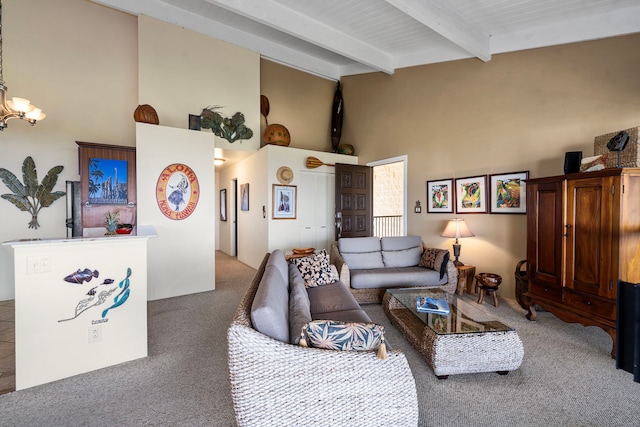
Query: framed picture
440, 196
107, 181
471, 194
507, 192
284, 201
244, 197
223, 204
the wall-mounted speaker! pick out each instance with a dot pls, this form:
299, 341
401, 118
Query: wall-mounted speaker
572, 161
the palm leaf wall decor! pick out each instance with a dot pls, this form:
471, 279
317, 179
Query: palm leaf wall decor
31, 196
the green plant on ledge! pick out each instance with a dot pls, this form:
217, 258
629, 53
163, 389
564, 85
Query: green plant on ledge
231, 129
31, 196
111, 222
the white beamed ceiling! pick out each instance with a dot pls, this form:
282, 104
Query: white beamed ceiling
333, 38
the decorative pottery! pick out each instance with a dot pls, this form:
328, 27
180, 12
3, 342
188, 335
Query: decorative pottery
145, 113
276, 134
345, 149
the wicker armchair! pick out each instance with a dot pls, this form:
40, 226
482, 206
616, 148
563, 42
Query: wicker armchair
374, 295
279, 384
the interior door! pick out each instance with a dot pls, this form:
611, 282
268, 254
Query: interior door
354, 201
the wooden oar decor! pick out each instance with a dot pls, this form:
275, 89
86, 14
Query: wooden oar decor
314, 162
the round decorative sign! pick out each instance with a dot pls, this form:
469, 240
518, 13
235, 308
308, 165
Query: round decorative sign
177, 191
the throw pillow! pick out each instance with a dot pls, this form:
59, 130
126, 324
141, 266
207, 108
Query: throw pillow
336, 335
315, 268
435, 259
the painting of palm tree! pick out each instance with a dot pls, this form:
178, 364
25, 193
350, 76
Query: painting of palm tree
107, 181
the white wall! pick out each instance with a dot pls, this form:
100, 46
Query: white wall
181, 259
260, 234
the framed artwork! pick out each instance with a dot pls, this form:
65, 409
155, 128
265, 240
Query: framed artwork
284, 201
107, 181
244, 197
440, 196
471, 194
223, 204
507, 192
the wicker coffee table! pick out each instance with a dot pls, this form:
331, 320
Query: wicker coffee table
464, 341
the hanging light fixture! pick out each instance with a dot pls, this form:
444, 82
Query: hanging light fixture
16, 108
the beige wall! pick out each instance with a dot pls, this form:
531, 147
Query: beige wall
78, 62
520, 111
301, 102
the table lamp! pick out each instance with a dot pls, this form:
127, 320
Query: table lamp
458, 229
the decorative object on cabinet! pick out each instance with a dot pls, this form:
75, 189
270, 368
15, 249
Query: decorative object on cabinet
471, 194
177, 191
244, 197
231, 129
572, 160
508, 192
594, 163
284, 201
314, 162
417, 208
457, 228
277, 134
284, 175
223, 204
440, 196
111, 222
579, 244
31, 196
145, 113
337, 114
629, 157
17, 108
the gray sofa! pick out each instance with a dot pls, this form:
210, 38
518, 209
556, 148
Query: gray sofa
370, 265
275, 382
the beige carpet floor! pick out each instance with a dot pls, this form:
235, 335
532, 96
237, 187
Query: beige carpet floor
566, 379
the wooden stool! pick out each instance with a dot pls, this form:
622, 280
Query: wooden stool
488, 282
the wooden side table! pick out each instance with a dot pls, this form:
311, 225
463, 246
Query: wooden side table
466, 273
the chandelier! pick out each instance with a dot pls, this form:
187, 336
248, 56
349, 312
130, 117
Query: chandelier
17, 108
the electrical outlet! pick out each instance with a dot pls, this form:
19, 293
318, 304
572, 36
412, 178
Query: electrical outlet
95, 333
38, 264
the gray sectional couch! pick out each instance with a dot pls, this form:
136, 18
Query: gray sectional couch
370, 265
275, 382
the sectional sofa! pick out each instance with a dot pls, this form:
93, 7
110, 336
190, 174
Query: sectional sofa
276, 382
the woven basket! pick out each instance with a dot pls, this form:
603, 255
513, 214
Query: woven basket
629, 157
145, 113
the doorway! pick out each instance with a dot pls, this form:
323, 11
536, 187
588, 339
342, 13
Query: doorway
390, 197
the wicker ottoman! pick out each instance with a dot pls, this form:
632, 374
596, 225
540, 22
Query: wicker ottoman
450, 352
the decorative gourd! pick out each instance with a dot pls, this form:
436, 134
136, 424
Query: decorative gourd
277, 135
145, 113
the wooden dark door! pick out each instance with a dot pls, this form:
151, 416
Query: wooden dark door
589, 234
545, 231
354, 201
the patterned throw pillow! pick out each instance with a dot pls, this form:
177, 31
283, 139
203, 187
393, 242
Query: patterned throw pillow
315, 269
336, 335
435, 259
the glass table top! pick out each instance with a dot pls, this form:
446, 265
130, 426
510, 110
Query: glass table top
463, 318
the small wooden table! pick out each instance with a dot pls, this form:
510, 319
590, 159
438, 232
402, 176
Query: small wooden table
466, 273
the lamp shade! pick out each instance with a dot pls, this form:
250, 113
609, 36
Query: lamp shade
457, 228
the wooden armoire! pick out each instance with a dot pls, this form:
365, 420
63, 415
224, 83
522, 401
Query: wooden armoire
583, 235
